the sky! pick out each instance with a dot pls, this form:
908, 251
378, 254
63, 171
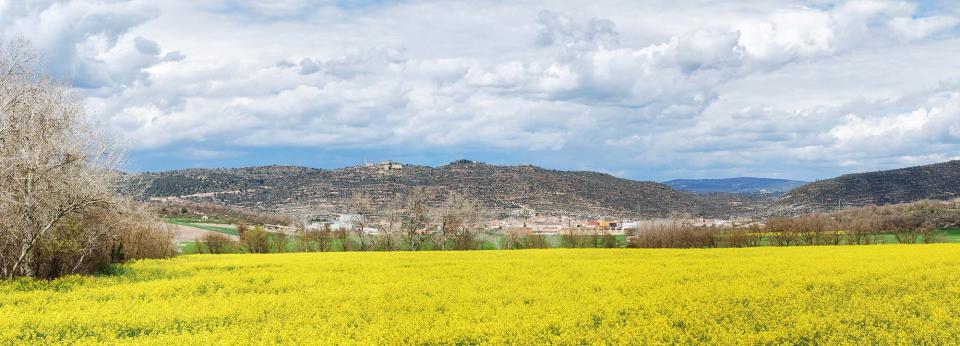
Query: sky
647, 90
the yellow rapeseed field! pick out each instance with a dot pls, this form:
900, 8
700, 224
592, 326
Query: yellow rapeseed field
886, 294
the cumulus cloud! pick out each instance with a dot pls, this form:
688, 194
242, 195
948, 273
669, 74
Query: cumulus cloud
85, 41
592, 89
559, 30
939, 121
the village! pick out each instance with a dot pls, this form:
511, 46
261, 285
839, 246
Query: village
541, 225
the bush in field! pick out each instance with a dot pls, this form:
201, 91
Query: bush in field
255, 240
142, 236
280, 242
91, 241
360, 206
218, 243
742, 237
609, 241
242, 227
835, 233
932, 235
677, 236
460, 222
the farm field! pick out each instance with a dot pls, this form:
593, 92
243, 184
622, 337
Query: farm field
888, 294
213, 227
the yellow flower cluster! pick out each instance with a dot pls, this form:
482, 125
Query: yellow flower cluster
885, 294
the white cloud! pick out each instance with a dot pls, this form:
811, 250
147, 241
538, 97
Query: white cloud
921, 136
204, 154
656, 89
916, 28
85, 41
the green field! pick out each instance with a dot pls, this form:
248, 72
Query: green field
195, 223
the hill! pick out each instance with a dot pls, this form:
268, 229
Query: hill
735, 185
939, 181
502, 189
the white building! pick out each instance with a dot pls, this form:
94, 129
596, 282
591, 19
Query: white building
346, 222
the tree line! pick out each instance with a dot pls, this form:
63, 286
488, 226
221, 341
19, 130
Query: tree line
403, 223
410, 224
920, 222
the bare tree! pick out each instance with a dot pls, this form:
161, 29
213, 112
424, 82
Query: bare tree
450, 218
416, 216
343, 235
324, 237
782, 231
514, 239
390, 223
318, 239
313, 239
573, 238
460, 219
862, 228
810, 229
469, 236
360, 208
242, 227
54, 166
302, 236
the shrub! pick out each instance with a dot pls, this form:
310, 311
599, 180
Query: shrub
144, 236
280, 242
89, 242
677, 236
742, 237
255, 240
218, 243
610, 241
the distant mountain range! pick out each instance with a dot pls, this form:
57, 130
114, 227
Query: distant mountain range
501, 189
525, 189
735, 185
937, 181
